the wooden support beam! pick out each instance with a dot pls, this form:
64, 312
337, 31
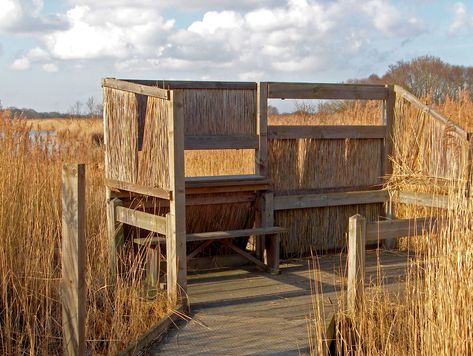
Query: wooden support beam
303, 201
220, 142
393, 229
186, 84
73, 258
245, 254
150, 222
135, 88
228, 180
356, 263
339, 132
217, 235
424, 199
326, 91
261, 159
138, 189
453, 127
388, 121
176, 236
114, 234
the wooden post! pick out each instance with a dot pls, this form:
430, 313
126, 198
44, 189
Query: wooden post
176, 238
73, 259
262, 129
356, 262
272, 242
115, 237
469, 165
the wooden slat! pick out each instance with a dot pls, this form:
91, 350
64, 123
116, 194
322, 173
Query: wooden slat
329, 199
435, 114
325, 132
217, 235
138, 188
229, 180
183, 84
326, 91
195, 200
135, 88
246, 255
424, 199
392, 229
220, 142
141, 219
228, 188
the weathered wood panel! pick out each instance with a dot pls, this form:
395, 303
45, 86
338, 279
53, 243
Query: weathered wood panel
326, 132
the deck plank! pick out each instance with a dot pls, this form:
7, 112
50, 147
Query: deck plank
246, 312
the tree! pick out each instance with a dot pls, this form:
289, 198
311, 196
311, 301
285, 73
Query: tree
76, 109
91, 106
272, 110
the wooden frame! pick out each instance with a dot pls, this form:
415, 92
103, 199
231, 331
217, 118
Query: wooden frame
289, 202
323, 132
135, 88
326, 91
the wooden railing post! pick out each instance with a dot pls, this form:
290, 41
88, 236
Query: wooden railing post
73, 259
356, 262
115, 237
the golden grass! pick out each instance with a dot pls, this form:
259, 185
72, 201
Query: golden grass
433, 315
30, 240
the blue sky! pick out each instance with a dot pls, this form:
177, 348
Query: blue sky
54, 53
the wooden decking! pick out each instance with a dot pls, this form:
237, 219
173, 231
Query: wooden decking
245, 312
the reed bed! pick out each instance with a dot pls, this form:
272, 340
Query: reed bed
433, 314
30, 239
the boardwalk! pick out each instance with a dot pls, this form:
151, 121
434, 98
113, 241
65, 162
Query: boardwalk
246, 312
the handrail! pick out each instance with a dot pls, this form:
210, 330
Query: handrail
427, 109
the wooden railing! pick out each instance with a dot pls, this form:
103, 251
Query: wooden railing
362, 233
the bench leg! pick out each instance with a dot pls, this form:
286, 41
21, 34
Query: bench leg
272, 253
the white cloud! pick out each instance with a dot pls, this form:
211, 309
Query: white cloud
50, 67
21, 63
247, 38
23, 17
462, 19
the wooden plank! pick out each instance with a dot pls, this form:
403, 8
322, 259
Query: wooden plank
228, 180
176, 236
154, 333
303, 201
393, 229
356, 263
261, 154
326, 91
184, 84
424, 199
228, 188
135, 88
114, 236
338, 132
272, 242
74, 252
220, 142
196, 200
387, 149
138, 189
217, 235
150, 222
427, 109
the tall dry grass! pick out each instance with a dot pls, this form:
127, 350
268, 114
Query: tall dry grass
118, 310
433, 314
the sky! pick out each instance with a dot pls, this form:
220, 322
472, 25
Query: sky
54, 53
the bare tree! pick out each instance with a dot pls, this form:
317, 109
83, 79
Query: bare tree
76, 108
272, 110
91, 106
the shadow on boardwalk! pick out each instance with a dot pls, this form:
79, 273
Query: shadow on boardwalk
246, 312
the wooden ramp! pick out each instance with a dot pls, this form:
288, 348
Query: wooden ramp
246, 312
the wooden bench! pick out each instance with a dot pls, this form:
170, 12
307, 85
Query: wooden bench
225, 238
226, 184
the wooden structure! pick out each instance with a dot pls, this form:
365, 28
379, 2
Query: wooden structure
306, 180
